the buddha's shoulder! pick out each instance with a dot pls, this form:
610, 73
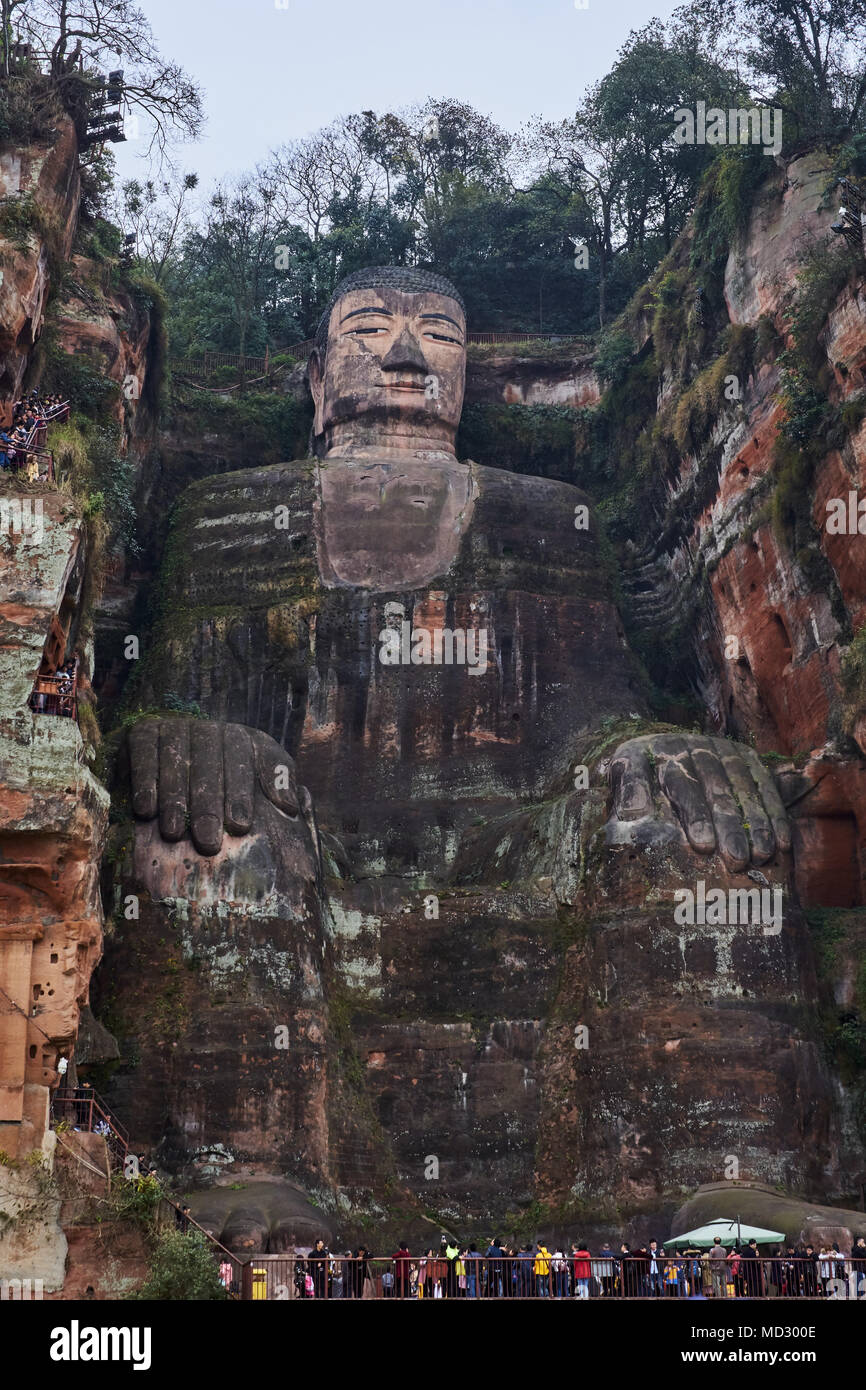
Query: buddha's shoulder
529, 503
245, 538
249, 490
531, 534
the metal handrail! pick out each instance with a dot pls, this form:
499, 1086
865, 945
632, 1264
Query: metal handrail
79, 1095
36, 437
48, 696
523, 1275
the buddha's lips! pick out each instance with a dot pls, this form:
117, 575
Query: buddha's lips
401, 386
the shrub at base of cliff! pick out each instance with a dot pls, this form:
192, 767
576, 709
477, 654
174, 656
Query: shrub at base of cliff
182, 1269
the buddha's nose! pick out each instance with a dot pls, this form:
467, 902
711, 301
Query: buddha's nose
405, 355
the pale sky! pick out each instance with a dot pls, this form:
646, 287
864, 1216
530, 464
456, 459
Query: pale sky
272, 74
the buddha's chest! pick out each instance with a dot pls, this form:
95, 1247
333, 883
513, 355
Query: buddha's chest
386, 525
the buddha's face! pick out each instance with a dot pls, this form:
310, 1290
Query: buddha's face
394, 372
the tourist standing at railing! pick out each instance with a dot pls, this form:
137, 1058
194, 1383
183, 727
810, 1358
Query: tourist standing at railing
473, 1266
363, 1281
604, 1268
522, 1268
791, 1270
452, 1255
300, 1279
654, 1270
318, 1261
810, 1272
751, 1270
460, 1271
402, 1261
582, 1266
542, 1270
495, 1255
559, 1274
440, 1271
626, 1272
826, 1267
719, 1268
858, 1265
670, 1277
774, 1273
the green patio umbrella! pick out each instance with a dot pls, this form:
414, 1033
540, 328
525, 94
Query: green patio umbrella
729, 1232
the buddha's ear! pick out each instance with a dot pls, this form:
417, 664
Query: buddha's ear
316, 378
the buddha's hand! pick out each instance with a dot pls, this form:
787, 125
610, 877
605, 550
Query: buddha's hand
203, 778
716, 792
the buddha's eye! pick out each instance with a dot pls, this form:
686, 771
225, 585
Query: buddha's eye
365, 332
443, 338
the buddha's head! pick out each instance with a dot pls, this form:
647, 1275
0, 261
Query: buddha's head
389, 365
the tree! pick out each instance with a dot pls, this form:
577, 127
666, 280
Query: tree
156, 212
806, 56
814, 54
182, 1268
586, 163
657, 72
238, 244
7, 9
628, 185
79, 36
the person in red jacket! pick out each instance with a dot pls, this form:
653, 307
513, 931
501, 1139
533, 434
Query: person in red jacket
402, 1260
582, 1270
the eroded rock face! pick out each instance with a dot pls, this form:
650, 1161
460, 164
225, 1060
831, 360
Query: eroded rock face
108, 327
53, 815
517, 379
44, 180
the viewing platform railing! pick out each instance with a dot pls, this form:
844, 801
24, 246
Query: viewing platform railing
278, 1278
34, 444
82, 1109
56, 694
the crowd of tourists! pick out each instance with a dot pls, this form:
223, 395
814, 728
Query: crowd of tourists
22, 440
537, 1271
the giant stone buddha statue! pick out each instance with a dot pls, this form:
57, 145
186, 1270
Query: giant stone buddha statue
414, 792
